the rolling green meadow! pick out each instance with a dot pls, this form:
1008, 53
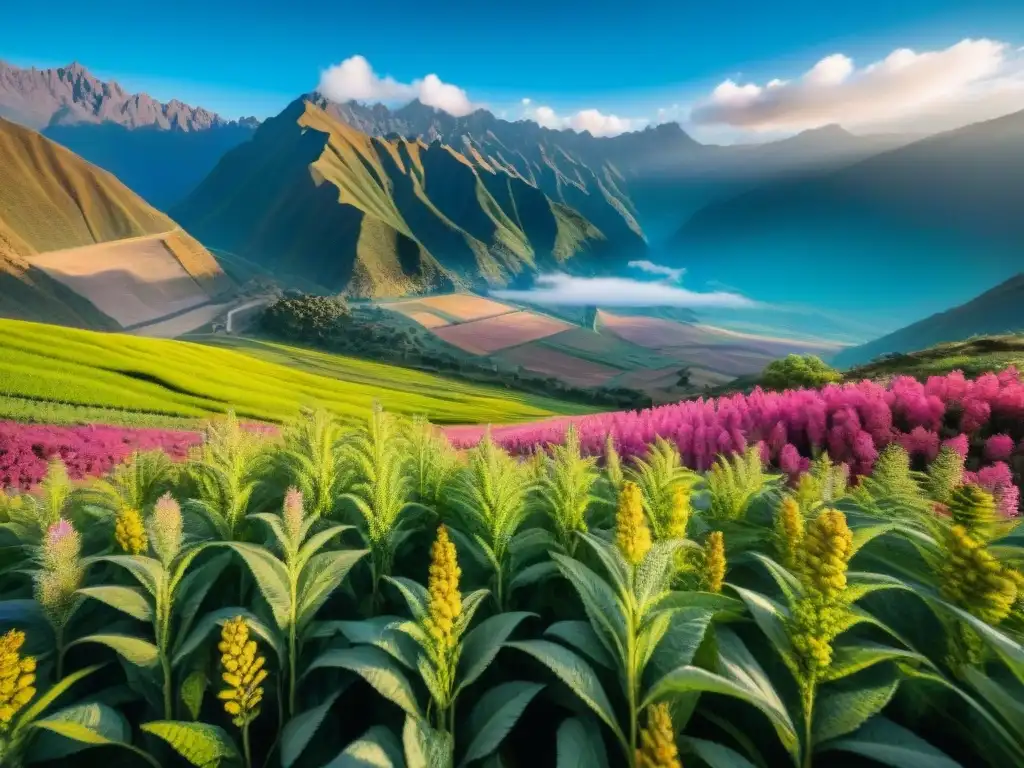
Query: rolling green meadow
75, 376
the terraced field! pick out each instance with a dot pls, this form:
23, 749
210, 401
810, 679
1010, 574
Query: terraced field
68, 374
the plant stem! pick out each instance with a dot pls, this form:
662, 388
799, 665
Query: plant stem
292, 651
58, 632
631, 685
808, 707
499, 591
163, 627
245, 746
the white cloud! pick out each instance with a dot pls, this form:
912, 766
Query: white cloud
354, 80
675, 275
564, 290
598, 123
932, 90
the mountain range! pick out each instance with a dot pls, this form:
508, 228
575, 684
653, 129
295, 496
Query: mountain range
61, 219
160, 150
893, 237
997, 311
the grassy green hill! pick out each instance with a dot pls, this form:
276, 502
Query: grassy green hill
65, 375
52, 200
972, 356
998, 311
378, 217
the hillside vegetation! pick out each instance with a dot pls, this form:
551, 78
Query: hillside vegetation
384, 217
52, 200
48, 364
971, 356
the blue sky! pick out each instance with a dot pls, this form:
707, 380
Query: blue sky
630, 59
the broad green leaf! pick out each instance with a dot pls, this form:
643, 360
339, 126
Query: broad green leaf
471, 602
467, 546
385, 632
376, 668
193, 588
864, 534
687, 679
377, 748
415, 595
581, 636
95, 725
125, 599
856, 656
713, 754
426, 747
200, 744
604, 610
38, 705
146, 570
679, 644
1004, 701
577, 674
860, 583
495, 715
786, 581
301, 729
481, 644
274, 523
1011, 652
614, 564
885, 742
736, 663
139, 652
532, 574
722, 606
318, 541
193, 688
217, 618
580, 744
322, 575
271, 577
770, 618
841, 708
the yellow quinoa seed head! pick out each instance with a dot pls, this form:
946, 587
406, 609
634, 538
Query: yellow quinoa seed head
679, 514
632, 534
17, 677
130, 533
828, 548
444, 599
789, 533
657, 748
714, 562
243, 672
974, 580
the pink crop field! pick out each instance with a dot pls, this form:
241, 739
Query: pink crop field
26, 449
983, 419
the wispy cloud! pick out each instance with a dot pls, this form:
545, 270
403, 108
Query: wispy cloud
935, 90
565, 290
355, 80
592, 120
675, 275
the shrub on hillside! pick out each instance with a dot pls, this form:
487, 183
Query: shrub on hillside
305, 317
797, 371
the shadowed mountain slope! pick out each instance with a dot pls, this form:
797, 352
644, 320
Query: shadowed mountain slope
998, 311
896, 236
53, 201
388, 217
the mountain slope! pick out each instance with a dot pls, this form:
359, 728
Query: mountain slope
895, 237
386, 217
160, 150
998, 311
52, 201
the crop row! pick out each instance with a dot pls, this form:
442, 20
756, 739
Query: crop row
369, 596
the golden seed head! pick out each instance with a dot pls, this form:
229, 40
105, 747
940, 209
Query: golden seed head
657, 747
789, 533
632, 534
445, 601
130, 533
17, 677
243, 672
975, 509
165, 530
714, 562
974, 580
678, 514
828, 547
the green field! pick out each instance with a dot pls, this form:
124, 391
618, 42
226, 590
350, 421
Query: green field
972, 356
68, 376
